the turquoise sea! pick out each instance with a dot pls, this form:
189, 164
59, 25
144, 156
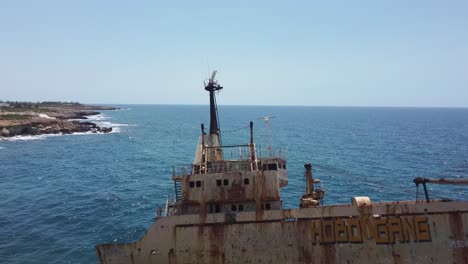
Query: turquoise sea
61, 195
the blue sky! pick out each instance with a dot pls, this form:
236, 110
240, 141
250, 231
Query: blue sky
338, 53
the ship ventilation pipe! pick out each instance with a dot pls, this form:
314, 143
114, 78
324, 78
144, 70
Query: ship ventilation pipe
252, 148
251, 133
203, 142
309, 179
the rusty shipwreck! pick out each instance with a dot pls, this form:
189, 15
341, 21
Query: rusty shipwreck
229, 210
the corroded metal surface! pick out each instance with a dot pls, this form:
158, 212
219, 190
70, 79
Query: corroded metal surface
404, 232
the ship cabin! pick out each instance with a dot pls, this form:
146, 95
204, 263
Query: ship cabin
230, 179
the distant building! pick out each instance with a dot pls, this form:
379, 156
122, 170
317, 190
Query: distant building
4, 105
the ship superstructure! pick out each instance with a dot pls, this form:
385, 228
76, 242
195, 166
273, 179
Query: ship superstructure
227, 209
227, 179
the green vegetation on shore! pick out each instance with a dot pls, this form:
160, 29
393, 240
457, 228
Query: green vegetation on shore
26, 109
37, 107
14, 117
29, 105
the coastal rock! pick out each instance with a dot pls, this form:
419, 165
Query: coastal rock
32, 130
78, 115
106, 129
44, 130
5, 132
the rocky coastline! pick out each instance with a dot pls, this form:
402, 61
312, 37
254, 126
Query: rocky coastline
59, 118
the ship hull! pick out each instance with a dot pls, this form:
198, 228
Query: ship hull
397, 232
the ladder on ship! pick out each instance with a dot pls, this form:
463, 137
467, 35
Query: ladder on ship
178, 189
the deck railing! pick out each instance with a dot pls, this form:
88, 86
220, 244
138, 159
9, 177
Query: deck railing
235, 158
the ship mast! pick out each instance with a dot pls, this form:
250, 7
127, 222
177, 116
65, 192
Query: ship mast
212, 150
212, 87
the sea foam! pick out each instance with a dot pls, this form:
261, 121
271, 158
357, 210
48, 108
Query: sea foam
30, 137
100, 120
98, 117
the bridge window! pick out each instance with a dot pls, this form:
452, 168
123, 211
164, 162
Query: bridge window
272, 166
196, 169
233, 207
214, 208
219, 182
198, 183
225, 182
267, 206
192, 184
241, 207
246, 181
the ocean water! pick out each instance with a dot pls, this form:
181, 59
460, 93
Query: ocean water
61, 195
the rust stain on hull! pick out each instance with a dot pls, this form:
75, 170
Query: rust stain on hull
459, 239
433, 237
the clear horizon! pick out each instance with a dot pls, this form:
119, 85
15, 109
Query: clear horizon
378, 54
331, 106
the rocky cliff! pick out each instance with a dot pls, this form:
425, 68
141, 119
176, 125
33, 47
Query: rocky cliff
49, 120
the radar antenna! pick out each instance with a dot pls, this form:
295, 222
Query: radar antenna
213, 75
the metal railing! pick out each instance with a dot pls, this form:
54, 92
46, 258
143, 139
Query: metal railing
243, 152
236, 158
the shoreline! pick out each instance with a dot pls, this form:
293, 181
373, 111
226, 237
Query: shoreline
56, 119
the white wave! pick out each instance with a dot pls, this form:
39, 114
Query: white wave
98, 117
89, 133
102, 121
110, 124
30, 137
44, 136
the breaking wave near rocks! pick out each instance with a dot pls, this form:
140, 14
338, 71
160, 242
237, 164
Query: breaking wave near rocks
103, 120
